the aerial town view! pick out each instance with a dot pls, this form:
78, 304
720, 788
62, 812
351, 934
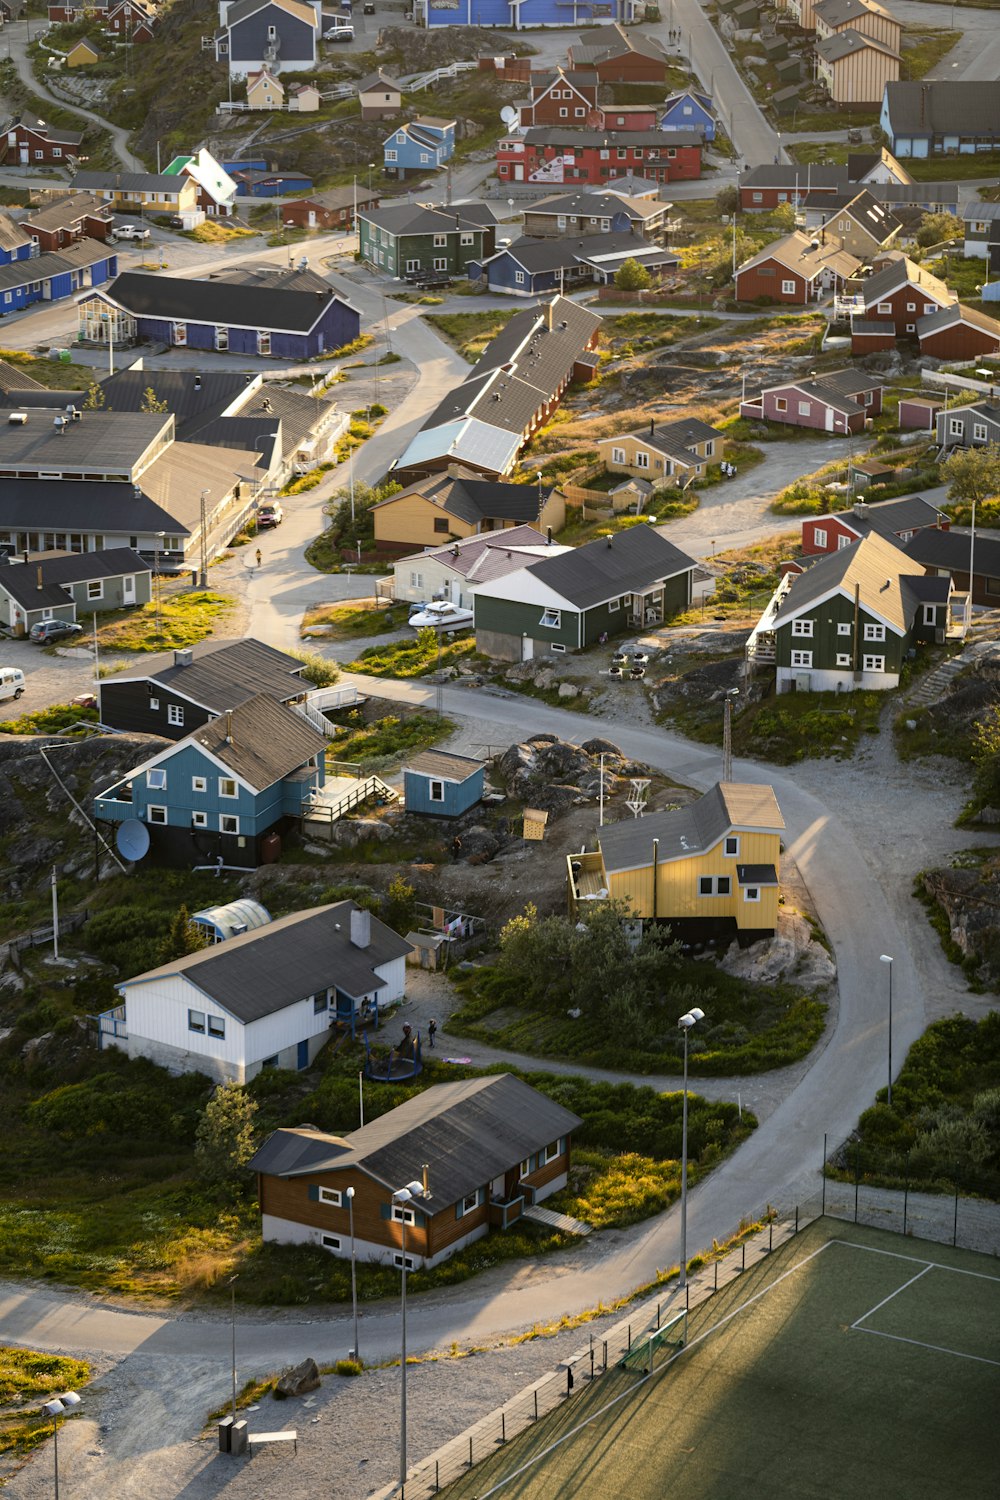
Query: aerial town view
499, 749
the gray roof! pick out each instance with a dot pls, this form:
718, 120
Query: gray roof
224, 674
439, 763
65, 212
83, 505
781, 176
260, 741
192, 396
128, 182
473, 500
277, 965
628, 562
889, 517
553, 135
289, 300
896, 274
676, 439
952, 549
947, 317
681, 832
103, 440
846, 43
836, 12
85, 252
553, 252
976, 208
12, 236
20, 579
378, 80
466, 1132
876, 566
417, 218
54, 133
944, 106
599, 205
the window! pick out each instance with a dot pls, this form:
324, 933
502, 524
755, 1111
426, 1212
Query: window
955, 427
436, 792
441, 524
154, 702
57, 151
714, 885
929, 307
802, 627
732, 846
95, 590
930, 614
843, 658
751, 893
222, 339
416, 580
440, 262
413, 265
470, 1203
216, 1027
819, 536
979, 432
641, 459
263, 343
424, 156
551, 1152
911, 327
330, 1242
723, 885
788, 288
802, 658
563, 112
519, 278
199, 820
579, 112
844, 628
228, 823
781, 403
874, 663
618, 455
757, 197
843, 541
440, 241
390, 156
874, 632
180, 334
551, 619
613, 605
397, 1261
403, 1215
196, 1021
156, 780
199, 783
911, 307
319, 1003
705, 885
466, 239
885, 308
39, 155
175, 714
805, 407
227, 787
331, 1197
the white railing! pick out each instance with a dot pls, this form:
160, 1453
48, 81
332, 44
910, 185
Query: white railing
422, 81
316, 810
942, 380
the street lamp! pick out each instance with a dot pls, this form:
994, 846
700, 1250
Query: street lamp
55, 1409
886, 958
371, 168
159, 543
401, 1198
691, 1018
349, 1194
232, 1312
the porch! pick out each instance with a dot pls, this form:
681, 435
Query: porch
585, 879
344, 790
111, 1027
646, 610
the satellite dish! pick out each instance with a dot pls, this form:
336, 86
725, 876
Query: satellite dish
508, 116
132, 839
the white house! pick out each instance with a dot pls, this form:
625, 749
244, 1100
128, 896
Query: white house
455, 571
268, 998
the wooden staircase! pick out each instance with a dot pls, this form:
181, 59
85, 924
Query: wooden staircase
565, 1223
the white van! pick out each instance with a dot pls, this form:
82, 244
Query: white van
11, 683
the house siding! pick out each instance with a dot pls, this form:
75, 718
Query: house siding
506, 622
248, 42
908, 305
765, 280
397, 251
820, 416
459, 796
677, 896
826, 643
859, 79
658, 469
566, 162
961, 341
339, 325
127, 706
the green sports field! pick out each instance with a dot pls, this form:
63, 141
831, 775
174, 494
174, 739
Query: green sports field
851, 1363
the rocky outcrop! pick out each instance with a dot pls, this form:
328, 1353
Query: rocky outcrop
970, 899
792, 955
299, 1380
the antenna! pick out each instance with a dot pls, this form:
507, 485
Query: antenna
638, 792
132, 840
727, 736
508, 116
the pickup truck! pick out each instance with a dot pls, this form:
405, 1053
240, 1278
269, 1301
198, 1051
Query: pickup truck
129, 232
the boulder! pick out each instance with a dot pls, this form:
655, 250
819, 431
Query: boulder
299, 1380
348, 833
479, 844
600, 747
546, 678
793, 954
568, 690
517, 762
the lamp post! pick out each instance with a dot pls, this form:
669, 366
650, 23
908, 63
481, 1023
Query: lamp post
371, 168
55, 1409
356, 1352
401, 1198
159, 543
232, 1316
886, 958
691, 1018
203, 570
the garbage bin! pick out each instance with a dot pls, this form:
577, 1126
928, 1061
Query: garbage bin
226, 1435
239, 1442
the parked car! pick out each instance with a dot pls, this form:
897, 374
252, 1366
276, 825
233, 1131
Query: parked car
176, 222
130, 232
369, 7
339, 34
47, 631
441, 616
11, 683
269, 515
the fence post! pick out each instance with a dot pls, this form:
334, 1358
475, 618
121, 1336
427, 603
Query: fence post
906, 1200
954, 1235
716, 1287
744, 1265
796, 1218
503, 1427
687, 1296
657, 1315
770, 1236
630, 1335
604, 1365
470, 1450
536, 1406
857, 1178
823, 1177
437, 1475
591, 1359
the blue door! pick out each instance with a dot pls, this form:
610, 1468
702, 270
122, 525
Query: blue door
303, 1061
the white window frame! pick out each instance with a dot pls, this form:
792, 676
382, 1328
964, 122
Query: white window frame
221, 339
751, 893
802, 658
641, 459
440, 242
844, 541
518, 278
874, 632
885, 308
332, 1197
156, 779
618, 456
95, 590
154, 702
802, 628
225, 781
199, 783
229, 823
843, 658
467, 239
956, 427
436, 791
470, 1203
199, 819
330, 1242
551, 619
175, 715
397, 1260
613, 605
930, 614
391, 156
805, 408
551, 1153
787, 288
844, 627
819, 536
264, 341
873, 663
156, 814
403, 1215
979, 432
734, 840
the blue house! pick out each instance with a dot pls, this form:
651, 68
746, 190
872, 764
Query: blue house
258, 182
222, 792
689, 111
15, 244
441, 784
55, 275
422, 145
515, 15
259, 310
536, 267
279, 33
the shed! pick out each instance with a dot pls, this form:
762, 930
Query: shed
428, 949
231, 920
789, 69
441, 784
83, 54
534, 823
786, 100
918, 413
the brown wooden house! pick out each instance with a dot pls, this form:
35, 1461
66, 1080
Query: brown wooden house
486, 1150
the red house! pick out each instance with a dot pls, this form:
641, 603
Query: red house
330, 210
558, 99
625, 117
795, 269
902, 293
68, 219
918, 413
31, 139
763, 188
957, 332
897, 520
597, 156
69, 11
620, 56
840, 402
132, 20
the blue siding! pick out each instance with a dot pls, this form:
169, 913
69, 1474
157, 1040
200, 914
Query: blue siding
55, 288
7, 258
339, 325
532, 13
458, 796
410, 153
273, 187
699, 118
502, 273
248, 39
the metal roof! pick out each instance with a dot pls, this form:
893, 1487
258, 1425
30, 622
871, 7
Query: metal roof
952, 549
756, 875
900, 272
876, 566
888, 517
846, 43
943, 106
469, 498
466, 1133
947, 317
466, 441
51, 263
223, 674
289, 301
20, 579
82, 505
686, 831
260, 741
236, 917
628, 562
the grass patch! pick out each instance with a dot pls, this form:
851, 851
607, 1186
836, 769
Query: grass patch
52, 373
984, 164
309, 481
26, 1375
923, 48
52, 720
413, 658
184, 619
751, 1029
356, 620
217, 232
388, 739
470, 332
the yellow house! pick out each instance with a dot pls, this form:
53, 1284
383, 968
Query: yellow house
82, 54
264, 91
708, 868
459, 504
675, 453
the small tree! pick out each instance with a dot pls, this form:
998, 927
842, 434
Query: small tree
95, 398
972, 474
986, 755
934, 229
783, 217
727, 201
150, 404
223, 1142
183, 937
400, 904
632, 277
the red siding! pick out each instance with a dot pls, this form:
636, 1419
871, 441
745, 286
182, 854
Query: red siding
871, 343
961, 341
918, 416
623, 117
632, 68
669, 164
758, 283
36, 142
815, 417
909, 305
834, 531
771, 197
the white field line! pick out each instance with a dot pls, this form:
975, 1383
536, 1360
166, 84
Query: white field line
873, 1310
916, 1260
937, 1348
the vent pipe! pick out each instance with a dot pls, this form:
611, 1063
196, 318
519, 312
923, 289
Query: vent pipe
229, 726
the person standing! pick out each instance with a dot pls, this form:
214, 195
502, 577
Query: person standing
432, 1027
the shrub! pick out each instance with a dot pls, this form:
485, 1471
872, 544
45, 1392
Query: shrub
317, 669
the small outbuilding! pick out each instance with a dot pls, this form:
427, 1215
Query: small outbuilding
231, 920
443, 785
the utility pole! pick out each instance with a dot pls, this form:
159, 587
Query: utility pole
727, 740
203, 571
55, 915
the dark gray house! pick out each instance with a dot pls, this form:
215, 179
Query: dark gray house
941, 116
67, 585
953, 553
969, 426
278, 34
633, 580
173, 694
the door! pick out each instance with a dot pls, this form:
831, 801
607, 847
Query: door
302, 1061
128, 591
527, 648
518, 171
312, 218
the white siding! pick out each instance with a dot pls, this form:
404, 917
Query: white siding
394, 974
289, 1232
827, 681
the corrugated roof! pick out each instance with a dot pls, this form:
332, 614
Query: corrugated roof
944, 106
953, 550
224, 674
287, 300
682, 832
898, 273
261, 741
465, 440
467, 1133
631, 561
949, 317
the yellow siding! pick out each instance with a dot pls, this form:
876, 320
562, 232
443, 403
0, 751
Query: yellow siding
657, 469
553, 512
409, 522
677, 884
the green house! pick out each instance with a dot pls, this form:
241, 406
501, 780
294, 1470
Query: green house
634, 580
850, 620
402, 238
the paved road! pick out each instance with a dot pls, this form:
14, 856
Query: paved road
977, 55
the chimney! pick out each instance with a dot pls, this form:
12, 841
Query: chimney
652, 426
548, 536
860, 508
361, 928
610, 540
423, 1173
38, 585
183, 658
229, 726
548, 314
